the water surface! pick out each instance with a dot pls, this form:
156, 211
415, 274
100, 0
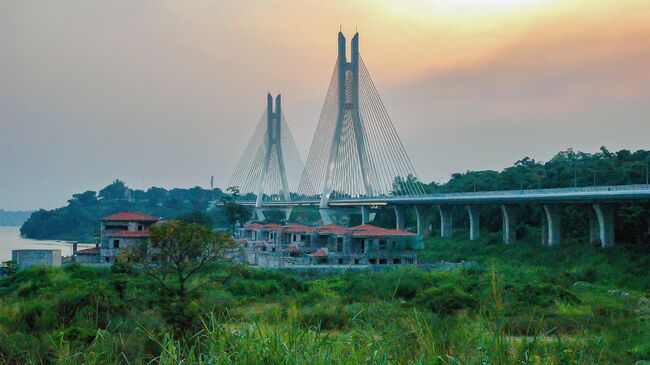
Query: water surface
10, 240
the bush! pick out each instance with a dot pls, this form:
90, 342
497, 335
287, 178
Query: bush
446, 300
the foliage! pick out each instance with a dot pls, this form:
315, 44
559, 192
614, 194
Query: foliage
233, 211
521, 304
79, 220
176, 253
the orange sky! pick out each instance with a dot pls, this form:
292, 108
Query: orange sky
86, 86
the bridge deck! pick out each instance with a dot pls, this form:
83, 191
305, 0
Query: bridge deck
620, 193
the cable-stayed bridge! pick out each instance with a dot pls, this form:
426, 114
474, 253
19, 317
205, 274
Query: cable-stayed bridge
357, 159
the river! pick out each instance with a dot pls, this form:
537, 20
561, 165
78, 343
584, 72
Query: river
10, 240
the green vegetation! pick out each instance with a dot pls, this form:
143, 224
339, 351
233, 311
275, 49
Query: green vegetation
79, 220
525, 304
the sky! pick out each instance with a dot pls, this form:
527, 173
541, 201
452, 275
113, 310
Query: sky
167, 93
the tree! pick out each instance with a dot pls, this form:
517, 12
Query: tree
9, 267
197, 217
115, 191
234, 211
176, 253
86, 197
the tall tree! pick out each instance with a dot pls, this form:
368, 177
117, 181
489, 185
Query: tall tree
115, 191
176, 253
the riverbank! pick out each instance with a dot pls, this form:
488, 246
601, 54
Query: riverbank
10, 239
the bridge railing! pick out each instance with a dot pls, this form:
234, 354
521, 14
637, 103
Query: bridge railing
495, 193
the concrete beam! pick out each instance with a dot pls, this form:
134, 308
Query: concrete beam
508, 222
365, 214
446, 221
422, 213
552, 228
606, 218
400, 217
474, 219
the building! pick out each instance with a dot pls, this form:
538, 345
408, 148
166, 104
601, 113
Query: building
123, 230
86, 256
27, 258
272, 245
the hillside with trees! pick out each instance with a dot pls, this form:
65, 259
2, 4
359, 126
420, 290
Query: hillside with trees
79, 220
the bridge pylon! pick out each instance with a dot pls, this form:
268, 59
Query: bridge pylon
270, 167
356, 151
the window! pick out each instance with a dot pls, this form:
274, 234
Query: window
382, 244
356, 261
339, 244
372, 261
340, 261
397, 261
116, 243
383, 261
394, 245
107, 259
293, 238
140, 227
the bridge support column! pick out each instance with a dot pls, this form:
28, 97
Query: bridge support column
365, 214
593, 225
287, 213
551, 232
508, 223
445, 221
474, 225
422, 212
325, 216
606, 218
400, 217
259, 213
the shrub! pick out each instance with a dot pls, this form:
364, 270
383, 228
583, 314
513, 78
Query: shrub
446, 300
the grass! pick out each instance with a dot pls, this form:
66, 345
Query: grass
522, 304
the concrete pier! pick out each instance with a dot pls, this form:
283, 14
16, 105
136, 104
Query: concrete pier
325, 216
400, 217
508, 231
259, 214
474, 219
551, 232
593, 225
422, 213
446, 222
365, 214
606, 217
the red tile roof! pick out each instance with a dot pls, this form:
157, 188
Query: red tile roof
260, 244
292, 249
367, 230
270, 227
253, 226
88, 251
331, 229
297, 228
130, 216
129, 234
320, 253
